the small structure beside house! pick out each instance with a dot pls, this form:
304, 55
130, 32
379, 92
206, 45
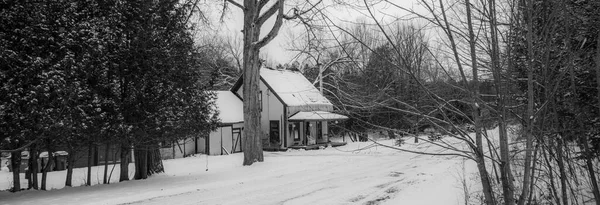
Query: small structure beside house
226, 139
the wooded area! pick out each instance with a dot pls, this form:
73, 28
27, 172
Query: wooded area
77, 74
529, 68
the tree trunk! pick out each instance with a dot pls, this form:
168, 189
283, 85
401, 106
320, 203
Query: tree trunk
588, 158
124, 174
15, 165
70, 162
252, 127
554, 194
480, 155
28, 175
590, 168
530, 103
114, 164
48, 166
141, 162
89, 164
30, 169
106, 155
532, 180
155, 164
561, 168
33, 159
505, 170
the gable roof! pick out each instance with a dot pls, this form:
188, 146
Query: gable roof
230, 107
291, 87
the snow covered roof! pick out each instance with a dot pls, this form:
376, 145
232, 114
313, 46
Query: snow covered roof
230, 107
316, 115
293, 88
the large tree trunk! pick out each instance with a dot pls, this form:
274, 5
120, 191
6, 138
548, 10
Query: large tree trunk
155, 164
124, 174
141, 162
15, 164
252, 127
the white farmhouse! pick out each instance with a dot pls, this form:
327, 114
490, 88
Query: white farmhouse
294, 114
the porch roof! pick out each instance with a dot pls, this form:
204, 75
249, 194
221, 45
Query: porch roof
316, 116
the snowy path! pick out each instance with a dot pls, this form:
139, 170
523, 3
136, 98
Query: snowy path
331, 176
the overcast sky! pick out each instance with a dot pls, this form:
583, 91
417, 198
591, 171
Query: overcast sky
277, 50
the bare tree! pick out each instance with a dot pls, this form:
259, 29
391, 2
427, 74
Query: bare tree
256, 13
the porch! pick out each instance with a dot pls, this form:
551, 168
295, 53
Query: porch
309, 130
316, 146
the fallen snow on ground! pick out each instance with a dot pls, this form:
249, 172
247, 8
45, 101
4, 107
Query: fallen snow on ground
358, 173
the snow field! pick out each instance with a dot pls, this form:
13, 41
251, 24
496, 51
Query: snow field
341, 175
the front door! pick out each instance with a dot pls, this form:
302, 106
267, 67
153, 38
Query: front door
294, 128
274, 132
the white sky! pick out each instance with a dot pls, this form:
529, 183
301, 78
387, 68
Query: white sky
277, 50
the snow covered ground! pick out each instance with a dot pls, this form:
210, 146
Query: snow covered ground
358, 173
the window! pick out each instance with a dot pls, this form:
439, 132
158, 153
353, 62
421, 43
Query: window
274, 131
295, 130
319, 130
307, 126
260, 102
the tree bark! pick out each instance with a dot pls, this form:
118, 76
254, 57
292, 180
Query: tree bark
155, 164
141, 162
530, 103
106, 155
505, 170
483, 173
561, 168
88, 182
48, 166
30, 169
15, 165
588, 158
551, 174
33, 159
70, 162
252, 127
124, 174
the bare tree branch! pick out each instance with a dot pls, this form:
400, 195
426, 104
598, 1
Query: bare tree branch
265, 16
235, 4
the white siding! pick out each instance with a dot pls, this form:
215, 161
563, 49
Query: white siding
272, 110
226, 140
237, 142
201, 145
214, 146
